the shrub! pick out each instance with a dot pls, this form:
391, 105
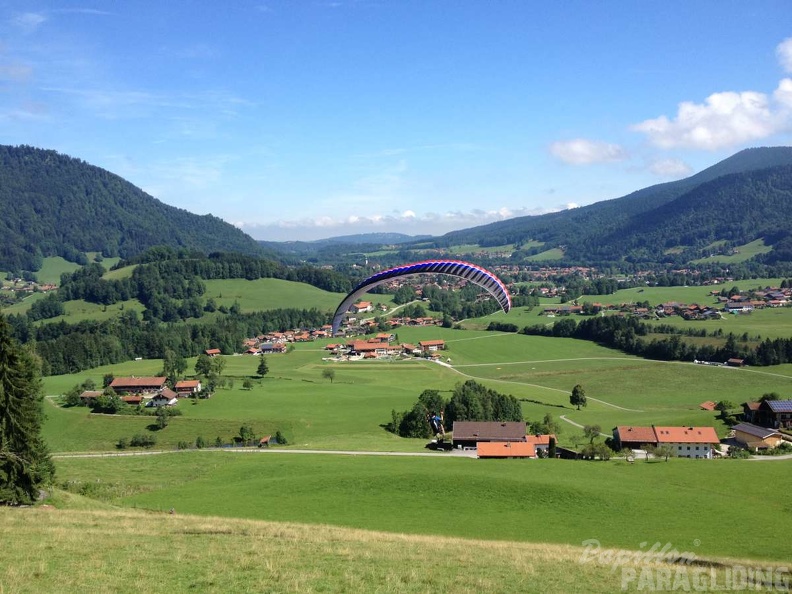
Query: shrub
140, 440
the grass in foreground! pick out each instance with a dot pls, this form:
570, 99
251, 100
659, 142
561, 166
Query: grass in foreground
689, 503
130, 551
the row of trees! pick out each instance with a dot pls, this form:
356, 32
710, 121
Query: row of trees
70, 348
629, 335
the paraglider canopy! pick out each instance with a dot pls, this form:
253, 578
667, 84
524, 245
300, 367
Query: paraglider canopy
475, 274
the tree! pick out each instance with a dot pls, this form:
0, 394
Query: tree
664, 450
73, 396
25, 464
328, 373
217, 365
247, 384
578, 396
163, 417
591, 431
725, 405
203, 366
173, 365
263, 368
246, 434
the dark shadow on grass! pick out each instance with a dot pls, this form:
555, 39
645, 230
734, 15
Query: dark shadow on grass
544, 403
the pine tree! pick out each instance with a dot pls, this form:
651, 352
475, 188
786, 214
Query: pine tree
263, 368
25, 464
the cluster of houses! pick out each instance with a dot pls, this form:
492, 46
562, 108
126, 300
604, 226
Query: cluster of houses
382, 346
148, 391
736, 304
762, 424
493, 439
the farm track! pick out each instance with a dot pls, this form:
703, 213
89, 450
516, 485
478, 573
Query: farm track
454, 368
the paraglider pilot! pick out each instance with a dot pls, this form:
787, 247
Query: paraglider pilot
436, 421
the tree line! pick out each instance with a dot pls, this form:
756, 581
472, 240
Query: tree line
630, 335
69, 348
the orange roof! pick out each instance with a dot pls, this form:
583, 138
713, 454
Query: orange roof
543, 439
137, 382
708, 405
187, 384
425, 343
507, 449
636, 434
686, 435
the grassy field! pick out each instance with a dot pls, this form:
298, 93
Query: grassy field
52, 268
273, 293
349, 413
484, 515
547, 255
743, 253
208, 554
689, 503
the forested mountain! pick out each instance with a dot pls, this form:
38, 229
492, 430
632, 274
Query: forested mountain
740, 199
55, 205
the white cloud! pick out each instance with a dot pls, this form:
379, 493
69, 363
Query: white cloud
581, 151
724, 120
670, 168
28, 22
428, 223
784, 54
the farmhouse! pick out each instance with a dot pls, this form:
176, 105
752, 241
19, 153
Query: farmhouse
754, 437
505, 449
430, 346
137, 385
688, 442
373, 349
361, 307
213, 352
166, 397
467, 434
188, 387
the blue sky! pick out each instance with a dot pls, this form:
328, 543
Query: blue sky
310, 119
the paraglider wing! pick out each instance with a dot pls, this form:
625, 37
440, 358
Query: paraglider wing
475, 274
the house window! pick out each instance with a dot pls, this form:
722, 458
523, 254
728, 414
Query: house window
688, 448
697, 448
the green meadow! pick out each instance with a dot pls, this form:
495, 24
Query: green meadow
220, 555
272, 293
692, 504
263, 512
743, 253
349, 412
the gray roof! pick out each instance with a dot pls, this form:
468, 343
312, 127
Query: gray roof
760, 432
489, 431
780, 405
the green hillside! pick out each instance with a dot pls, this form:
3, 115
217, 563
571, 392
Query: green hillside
55, 205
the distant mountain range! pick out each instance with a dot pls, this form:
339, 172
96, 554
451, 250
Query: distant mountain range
55, 205
52, 204
743, 198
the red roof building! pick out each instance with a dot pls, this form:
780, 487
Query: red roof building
505, 449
